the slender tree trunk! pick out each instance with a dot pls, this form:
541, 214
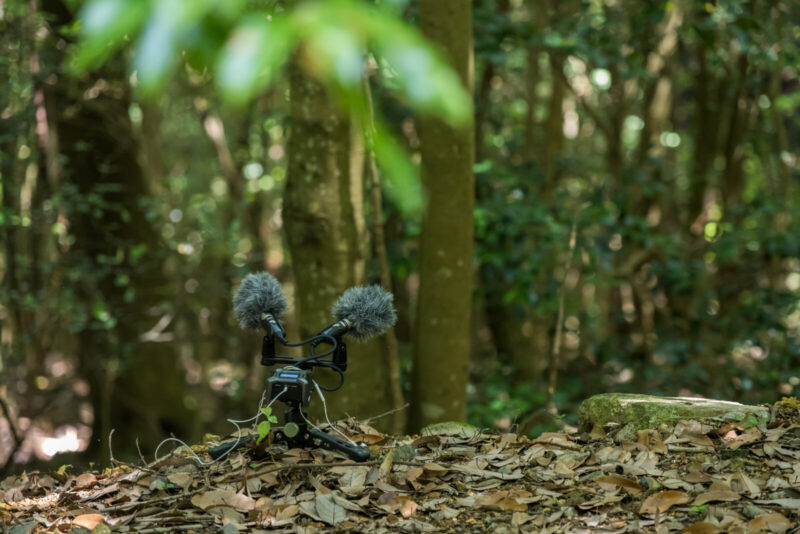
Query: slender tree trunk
390, 347
441, 353
325, 241
531, 80
553, 127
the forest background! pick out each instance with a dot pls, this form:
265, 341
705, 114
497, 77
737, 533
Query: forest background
623, 190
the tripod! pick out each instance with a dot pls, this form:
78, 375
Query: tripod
296, 433
295, 382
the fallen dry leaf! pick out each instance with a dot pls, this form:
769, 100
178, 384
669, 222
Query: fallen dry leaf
773, 522
520, 518
386, 466
408, 508
214, 498
182, 480
329, 510
369, 439
703, 527
717, 495
88, 521
85, 480
611, 482
660, 502
652, 440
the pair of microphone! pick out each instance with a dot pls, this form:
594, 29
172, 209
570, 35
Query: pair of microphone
361, 312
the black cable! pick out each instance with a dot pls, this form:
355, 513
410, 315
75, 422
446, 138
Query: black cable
334, 346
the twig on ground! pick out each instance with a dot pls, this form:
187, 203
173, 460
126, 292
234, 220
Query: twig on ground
148, 502
14, 434
173, 528
384, 414
139, 450
281, 467
678, 448
111, 458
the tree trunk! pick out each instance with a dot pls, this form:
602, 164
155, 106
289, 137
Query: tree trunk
441, 353
326, 242
137, 386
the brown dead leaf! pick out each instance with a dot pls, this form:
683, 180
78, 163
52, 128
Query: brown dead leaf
611, 482
716, 495
352, 477
88, 521
597, 432
662, 501
484, 473
511, 504
369, 439
736, 440
434, 469
773, 522
84, 481
411, 476
652, 440
747, 484
329, 510
691, 432
286, 511
408, 508
520, 518
386, 466
558, 441
702, 527
429, 442
182, 480
214, 498
697, 477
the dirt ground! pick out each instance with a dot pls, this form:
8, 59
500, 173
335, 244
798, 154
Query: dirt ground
697, 477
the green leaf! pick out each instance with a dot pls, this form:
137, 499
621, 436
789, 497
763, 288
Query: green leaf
158, 49
263, 430
104, 25
256, 51
421, 73
338, 55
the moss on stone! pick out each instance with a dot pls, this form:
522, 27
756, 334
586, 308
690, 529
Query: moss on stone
646, 411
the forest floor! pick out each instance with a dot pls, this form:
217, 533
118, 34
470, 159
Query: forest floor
697, 477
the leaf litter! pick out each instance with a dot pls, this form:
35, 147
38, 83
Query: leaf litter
697, 477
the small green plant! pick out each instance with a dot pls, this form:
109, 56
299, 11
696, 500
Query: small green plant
265, 426
698, 509
63, 469
753, 421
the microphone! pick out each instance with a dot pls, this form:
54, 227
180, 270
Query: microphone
259, 303
362, 312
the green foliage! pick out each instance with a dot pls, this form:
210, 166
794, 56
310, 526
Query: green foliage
264, 427
245, 47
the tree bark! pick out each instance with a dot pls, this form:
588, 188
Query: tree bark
441, 353
325, 240
136, 386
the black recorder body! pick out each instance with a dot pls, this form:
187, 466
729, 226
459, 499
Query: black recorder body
361, 312
293, 385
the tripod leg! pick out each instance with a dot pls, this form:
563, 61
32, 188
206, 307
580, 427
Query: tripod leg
326, 441
229, 446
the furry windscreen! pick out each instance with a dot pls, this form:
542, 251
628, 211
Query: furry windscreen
370, 310
258, 293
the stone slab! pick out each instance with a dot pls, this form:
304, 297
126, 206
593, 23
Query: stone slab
647, 411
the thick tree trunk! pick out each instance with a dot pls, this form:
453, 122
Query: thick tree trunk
441, 354
326, 242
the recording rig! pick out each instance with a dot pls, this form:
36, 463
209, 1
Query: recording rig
361, 312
